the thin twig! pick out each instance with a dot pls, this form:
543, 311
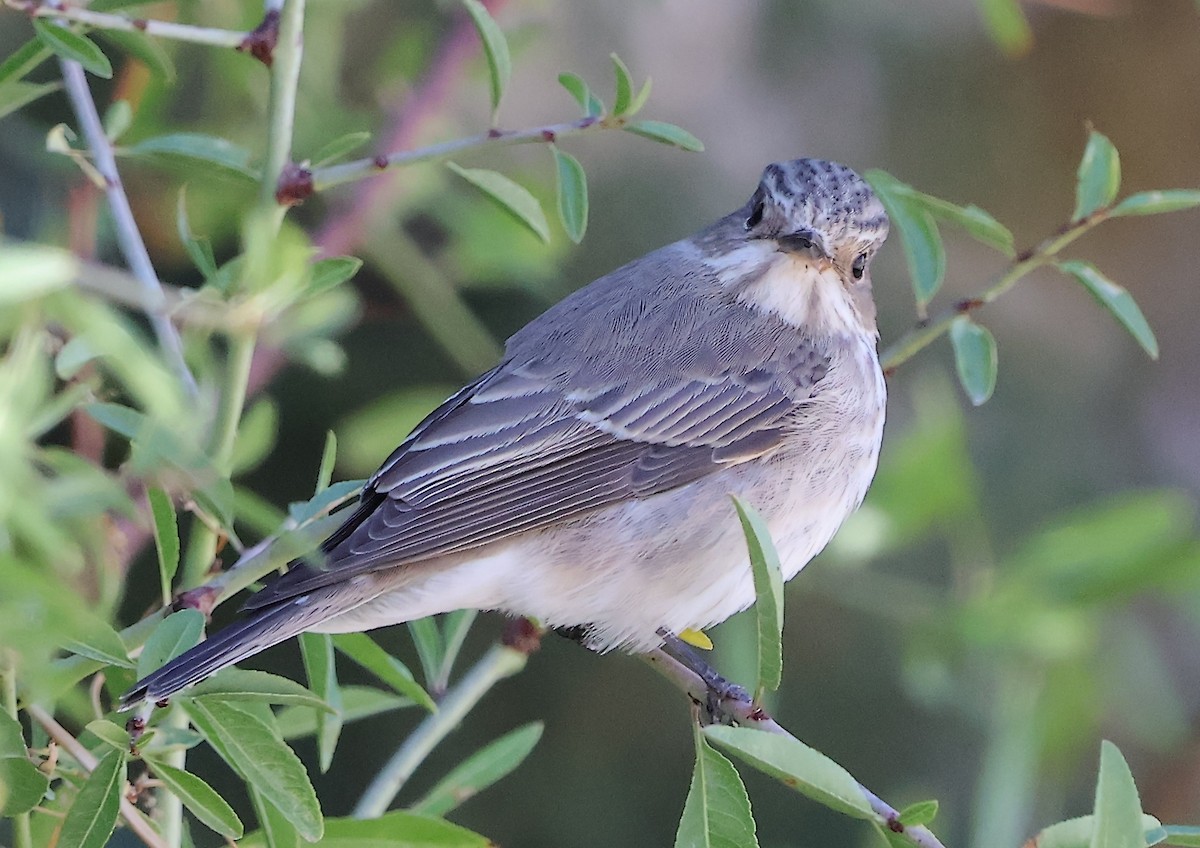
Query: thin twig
129, 237
921, 336
746, 713
498, 663
104, 20
84, 757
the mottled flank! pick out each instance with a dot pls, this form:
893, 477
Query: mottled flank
585, 480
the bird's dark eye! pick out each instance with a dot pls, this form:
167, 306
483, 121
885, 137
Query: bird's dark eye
859, 267
756, 215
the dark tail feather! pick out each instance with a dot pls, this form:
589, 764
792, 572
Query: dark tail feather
236, 642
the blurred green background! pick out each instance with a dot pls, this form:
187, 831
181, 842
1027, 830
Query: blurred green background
1023, 580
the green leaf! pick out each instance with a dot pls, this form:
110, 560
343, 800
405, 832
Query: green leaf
1116, 300
319, 665
665, 133
795, 764
14, 95
30, 271
572, 194
23, 60
495, 48
431, 647
358, 702
276, 831
512, 197
639, 100
331, 273
253, 749
1077, 833
918, 233
199, 148
242, 684
256, 437
328, 460
590, 104
339, 147
166, 538
1157, 202
1099, 176
1118, 810
117, 119
22, 785
149, 51
1007, 25
97, 640
110, 733
397, 829
1173, 834
175, 634
717, 811
201, 799
624, 86
92, 817
480, 770
366, 652
975, 358
198, 248
74, 47
919, 814
768, 592
976, 222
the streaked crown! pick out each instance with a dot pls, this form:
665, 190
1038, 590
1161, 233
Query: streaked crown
826, 198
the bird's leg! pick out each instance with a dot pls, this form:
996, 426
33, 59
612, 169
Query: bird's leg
720, 690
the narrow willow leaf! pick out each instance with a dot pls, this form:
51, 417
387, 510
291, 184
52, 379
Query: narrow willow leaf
795, 764
431, 647
768, 592
328, 460
918, 233
480, 770
919, 814
665, 133
199, 249
358, 702
1173, 834
93, 815
717, 812
1116, 300
397, 829
1156, 202
110, 733
14, 95
253, 749
495, 48
117, 119
275, 831
196, 147
639, 99
340, 147
572, 194
623, 98
72, 46
256, 437
96, 640
149, 51
319, 665
175, 634
455, 626
975, 358
590, 104
1008, 26
366, 652
23, 60
1118, 810
166, 538
331, 272
1077, 832
1099, 176
512, 197
22, 785
976, 222
201, 799
242, 684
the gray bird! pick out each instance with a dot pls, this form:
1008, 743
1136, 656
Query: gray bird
585, 480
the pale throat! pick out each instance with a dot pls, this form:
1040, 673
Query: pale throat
798, 290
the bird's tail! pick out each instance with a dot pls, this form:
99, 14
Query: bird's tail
236, 642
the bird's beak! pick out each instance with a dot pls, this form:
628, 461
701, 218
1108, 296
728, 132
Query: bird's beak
805, 244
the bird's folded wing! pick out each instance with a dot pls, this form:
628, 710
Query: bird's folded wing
525, 447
